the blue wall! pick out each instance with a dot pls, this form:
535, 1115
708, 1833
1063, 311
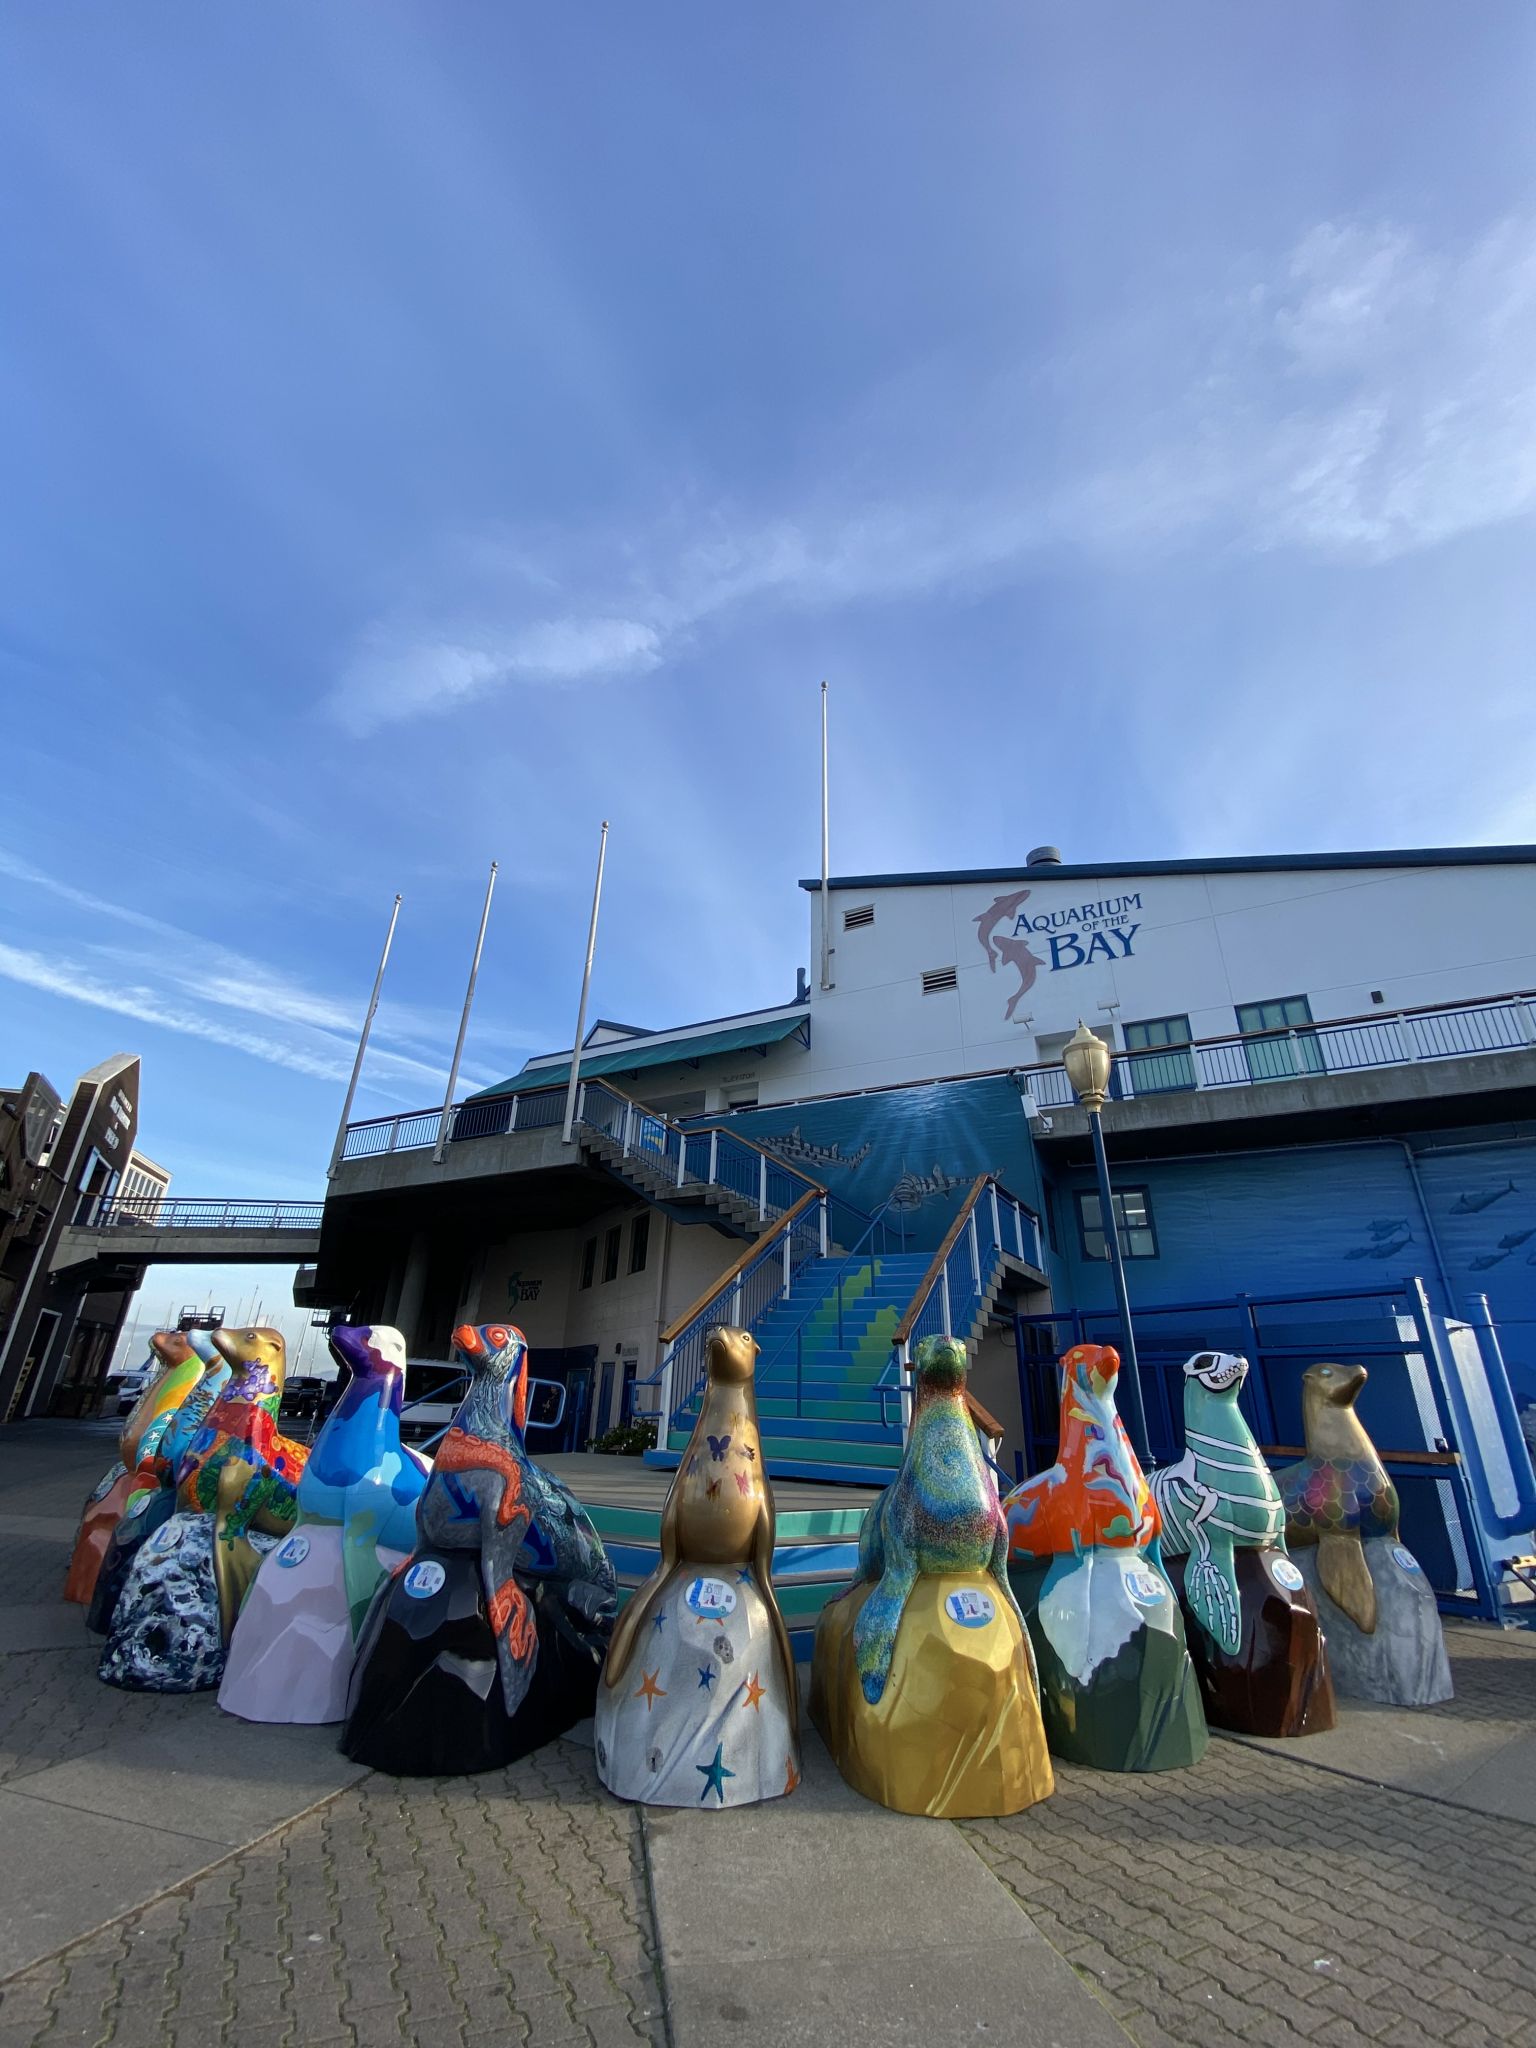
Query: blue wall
1324, 1218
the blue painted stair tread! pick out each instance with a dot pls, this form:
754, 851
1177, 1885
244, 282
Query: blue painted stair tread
922, 1680
1118, 1690
148, 1511
290, 1657
1378, 1610
1252, 1627
488, 1641
699, 1706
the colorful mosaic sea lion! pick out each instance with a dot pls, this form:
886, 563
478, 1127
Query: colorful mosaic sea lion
291, 1654
176, 1369
714, 1718
1385, 1640
1254, 1631
1117, 1688
489, 1641
236, 1492
922, 1679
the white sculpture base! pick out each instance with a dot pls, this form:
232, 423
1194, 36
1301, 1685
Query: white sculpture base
290, 1656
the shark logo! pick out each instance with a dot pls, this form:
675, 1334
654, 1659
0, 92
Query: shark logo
913, 1189
1010, 951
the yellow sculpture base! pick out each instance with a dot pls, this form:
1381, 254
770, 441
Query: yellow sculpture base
957, 1733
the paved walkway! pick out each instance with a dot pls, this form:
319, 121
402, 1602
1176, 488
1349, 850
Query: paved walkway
1375, 1886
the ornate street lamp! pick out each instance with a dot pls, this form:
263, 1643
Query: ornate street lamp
1087, 1060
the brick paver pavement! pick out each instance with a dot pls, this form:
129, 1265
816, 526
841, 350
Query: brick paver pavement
500, 1909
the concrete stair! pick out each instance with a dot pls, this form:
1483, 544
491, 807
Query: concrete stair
709, 1200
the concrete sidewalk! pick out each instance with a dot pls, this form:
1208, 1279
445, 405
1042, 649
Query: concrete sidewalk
1374, 1886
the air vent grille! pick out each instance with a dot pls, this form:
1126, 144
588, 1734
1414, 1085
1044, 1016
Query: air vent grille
938, 978
853, 919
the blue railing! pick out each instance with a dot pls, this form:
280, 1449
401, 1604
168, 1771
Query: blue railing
163, 1212
1351, 1045
881, 1232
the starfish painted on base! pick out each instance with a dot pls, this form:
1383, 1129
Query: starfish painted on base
715, 1774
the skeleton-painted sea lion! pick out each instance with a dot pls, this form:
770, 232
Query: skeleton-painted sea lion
1254, 1632
1340, 1492
488, 1641
1117, 1688
714, 1718
922, 1679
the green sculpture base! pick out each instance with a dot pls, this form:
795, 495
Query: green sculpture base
1118, 1691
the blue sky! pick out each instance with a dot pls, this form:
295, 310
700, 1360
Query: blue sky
433, 429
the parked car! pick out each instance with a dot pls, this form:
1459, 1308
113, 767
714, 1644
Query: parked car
129, 1386
305, 1395
434, 1389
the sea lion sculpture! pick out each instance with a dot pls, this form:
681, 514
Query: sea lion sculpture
1117, 1688
922, 1680
236, 1493
1252, 1627
714, 1718
149, 1507
176, 1369
290, 1657
1385, 1641
488, 1642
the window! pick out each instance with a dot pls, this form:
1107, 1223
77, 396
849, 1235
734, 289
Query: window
611, 1252
639, 1241
1280, 1044
938, 978
853, 919
1166, 1063
588, 1261
1133, 1213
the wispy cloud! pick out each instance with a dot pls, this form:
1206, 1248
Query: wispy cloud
1367, 397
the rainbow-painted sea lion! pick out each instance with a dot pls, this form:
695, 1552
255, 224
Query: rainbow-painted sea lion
713, 1720
922, 1679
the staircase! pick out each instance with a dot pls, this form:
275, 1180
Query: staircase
656, 1179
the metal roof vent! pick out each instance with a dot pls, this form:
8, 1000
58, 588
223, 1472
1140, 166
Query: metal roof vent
1044, 857
936, 979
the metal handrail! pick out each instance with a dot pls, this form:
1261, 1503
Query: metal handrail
876, 1222
727, 1279
1340, 1045
196, 1212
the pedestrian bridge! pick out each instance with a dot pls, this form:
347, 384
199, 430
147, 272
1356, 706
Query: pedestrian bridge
153, 1231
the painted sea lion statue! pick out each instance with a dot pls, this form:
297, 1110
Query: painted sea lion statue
489, 1640
290, 1658
148, 1508
175, 1370
1385, 1641
699, 1704
922, 1681
1117, 1688
1252, 1626
236, 1495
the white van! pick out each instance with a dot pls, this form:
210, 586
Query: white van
434, 1388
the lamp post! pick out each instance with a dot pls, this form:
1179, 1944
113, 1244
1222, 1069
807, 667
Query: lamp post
1087, 1061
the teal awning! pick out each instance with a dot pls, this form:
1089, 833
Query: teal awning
633, 1054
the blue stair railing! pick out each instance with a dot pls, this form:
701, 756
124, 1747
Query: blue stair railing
884, 1229
992, 1225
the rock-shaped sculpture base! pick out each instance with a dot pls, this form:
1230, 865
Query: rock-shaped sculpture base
426, 1697
702, 1717
1403, 1663
166, 1634
290, 1658
1277, 1681
146, 1513
956, 1732
104, 1511
1118, 1690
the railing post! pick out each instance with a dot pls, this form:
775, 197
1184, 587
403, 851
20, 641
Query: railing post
997, 1228
1018, 1231
1407, 1044
581, 1104
762, 1185
944, 1296
682, 1156
512, 1115
821, 1216
626, 1140
714, 1158
394, 1135
664, 1419
788, 1258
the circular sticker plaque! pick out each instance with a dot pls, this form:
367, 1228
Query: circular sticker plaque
1284, 1573
712, 1598
425, 1579
167, 1536
1406, 1558
294, 1551
1145, 1587
970, 1609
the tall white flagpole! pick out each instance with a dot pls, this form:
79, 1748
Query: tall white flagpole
362, 1044
586, 982
469, 996
826, 911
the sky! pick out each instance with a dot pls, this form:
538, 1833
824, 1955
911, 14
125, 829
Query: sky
432, 430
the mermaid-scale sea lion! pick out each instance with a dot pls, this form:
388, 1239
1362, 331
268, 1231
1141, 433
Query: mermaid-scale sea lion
714, 1720
1339, 1493
922, 1680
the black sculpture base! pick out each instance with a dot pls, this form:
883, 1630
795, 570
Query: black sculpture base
426, 1699
126, 1541
1277, 1681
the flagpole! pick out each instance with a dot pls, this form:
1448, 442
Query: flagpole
362, 1044
586, 982
458, 1050
826, 913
